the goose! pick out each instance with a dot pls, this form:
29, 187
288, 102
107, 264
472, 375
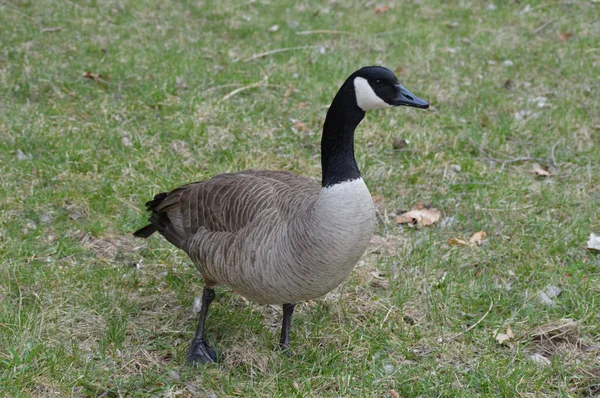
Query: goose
275, 237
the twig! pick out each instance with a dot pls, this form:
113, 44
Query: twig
552, 159
220, 87
319, 31
542, 26
495, 209
515, 160
52, 29
277, 51
383, 220
503, 162
248, 87
4, 7
473, 325
482, 148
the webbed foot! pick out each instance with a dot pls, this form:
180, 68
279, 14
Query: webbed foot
200, 353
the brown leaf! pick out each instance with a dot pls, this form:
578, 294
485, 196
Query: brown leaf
564, 36
399, 143
538, 171
507, 84
509, 332
378, 200
290, 90
477, 238
502, 338
382, 9
94, 76
457, 242
420, 215
300, 126
485, 120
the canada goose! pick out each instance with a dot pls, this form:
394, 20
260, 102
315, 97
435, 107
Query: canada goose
275, 237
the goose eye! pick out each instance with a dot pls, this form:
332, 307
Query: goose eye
378, 83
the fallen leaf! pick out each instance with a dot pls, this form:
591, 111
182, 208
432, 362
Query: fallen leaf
298, 125
94, 76
22, 156
485, 120
509, 331
420, 215
546, 300
175, 375
290, 90
378, 274
525, 9
594, 242
564, 36
502, 338
553, 291
538, 171
191, 388
539, 359
378, 200
399, 143
477, 238
382, 9
457, 242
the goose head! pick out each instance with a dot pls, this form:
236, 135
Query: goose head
377, 87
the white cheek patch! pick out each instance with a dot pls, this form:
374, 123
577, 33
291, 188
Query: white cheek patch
366, 97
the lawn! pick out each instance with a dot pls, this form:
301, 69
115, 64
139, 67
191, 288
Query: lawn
105, 103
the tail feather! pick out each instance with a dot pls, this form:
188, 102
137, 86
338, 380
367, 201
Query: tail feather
159, 222
154, 203
145, 231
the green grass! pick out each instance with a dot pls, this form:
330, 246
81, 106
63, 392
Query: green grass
79, 157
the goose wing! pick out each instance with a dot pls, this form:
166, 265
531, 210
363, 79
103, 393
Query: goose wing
227, 203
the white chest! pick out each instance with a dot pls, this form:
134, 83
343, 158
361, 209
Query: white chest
346, 216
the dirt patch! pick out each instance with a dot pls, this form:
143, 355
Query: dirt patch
562, 339
111, 247
246, 354
387, 245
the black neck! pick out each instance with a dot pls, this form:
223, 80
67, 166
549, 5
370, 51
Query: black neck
337, 144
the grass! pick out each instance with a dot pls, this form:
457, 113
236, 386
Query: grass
87, 310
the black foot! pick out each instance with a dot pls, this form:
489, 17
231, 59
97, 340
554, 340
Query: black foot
286, 350
200, 353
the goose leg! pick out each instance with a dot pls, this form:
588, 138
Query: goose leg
199, 351
284, 341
